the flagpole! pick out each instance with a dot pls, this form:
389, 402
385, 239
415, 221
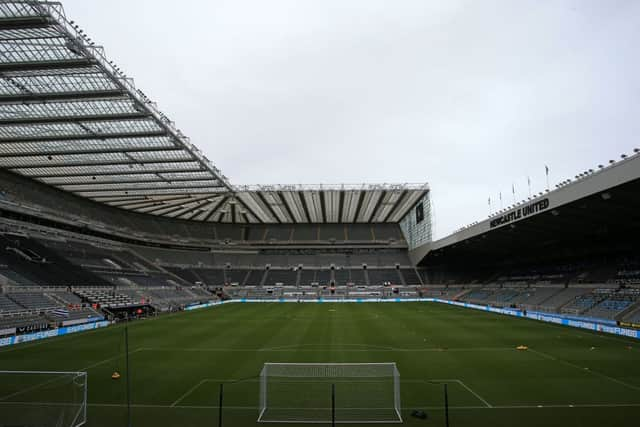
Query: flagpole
546, 170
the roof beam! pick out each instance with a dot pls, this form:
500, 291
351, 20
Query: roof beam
248, 208
134, 181
397, 204
23, 22
383, 194
215, 207
24, 98
175, 207
286, 206
269, 207
193, 210
100, 163
110, 150
81, 118
199, 191
151, 188
54, 64
139, 202
323, 207
359, 204
304, 206
98, 173
79, 137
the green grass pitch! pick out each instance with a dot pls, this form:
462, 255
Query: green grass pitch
568, 377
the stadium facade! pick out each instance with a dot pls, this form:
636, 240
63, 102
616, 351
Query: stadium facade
107, 209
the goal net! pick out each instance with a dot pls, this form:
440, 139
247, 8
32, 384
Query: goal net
322, 392
43, 398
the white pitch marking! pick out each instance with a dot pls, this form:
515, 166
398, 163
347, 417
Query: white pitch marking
36, 386
191, 390
550, 357
142, 405
454, 380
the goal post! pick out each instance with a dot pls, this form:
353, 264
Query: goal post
43, 398
317, 392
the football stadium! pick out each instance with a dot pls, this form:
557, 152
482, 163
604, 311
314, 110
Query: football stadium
140, 287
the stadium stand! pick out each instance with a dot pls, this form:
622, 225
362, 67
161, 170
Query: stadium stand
108, 237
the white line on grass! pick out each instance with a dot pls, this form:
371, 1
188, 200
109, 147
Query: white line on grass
583, 369
313, 350
480, 398
143, 405
57, 378
191, 390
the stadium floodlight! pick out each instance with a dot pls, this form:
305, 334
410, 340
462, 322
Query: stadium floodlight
43, 398
330, 392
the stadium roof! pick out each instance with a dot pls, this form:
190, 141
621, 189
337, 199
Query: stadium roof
70, 118
597, 202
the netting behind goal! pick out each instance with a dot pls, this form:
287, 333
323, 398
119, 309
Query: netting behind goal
302, 393
37, 398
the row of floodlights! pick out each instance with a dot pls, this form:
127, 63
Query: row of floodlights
591, 171
559, 185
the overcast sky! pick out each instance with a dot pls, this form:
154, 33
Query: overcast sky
469, 96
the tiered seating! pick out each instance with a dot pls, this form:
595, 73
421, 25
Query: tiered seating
614, 304
323, 277
504, 296
307, 277
255, 277
33, 300
280, 233
13, 277
176, 257
107, 298
383, 276
534, 296
561, 298
66, 298
285, 277
305, 232
359, 232
342, 276
236, 276
8, 305
387, 231
41, 265
410, 276
357, 277
212, 276
581, 303
478, 296
332, 232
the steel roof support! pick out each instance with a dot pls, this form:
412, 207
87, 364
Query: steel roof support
73, 119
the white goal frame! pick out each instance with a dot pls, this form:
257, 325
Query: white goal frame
384, 372
78, 378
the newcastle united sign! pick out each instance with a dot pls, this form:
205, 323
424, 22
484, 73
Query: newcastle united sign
522, 212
